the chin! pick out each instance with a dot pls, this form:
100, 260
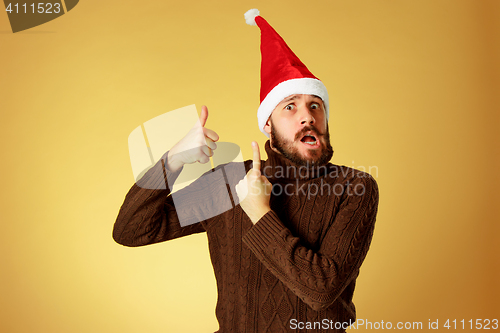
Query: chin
314, 157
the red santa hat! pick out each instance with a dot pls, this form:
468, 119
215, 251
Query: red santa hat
282, 74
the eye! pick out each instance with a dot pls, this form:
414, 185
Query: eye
289, 107
315, 106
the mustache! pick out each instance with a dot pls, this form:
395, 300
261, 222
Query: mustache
309, 128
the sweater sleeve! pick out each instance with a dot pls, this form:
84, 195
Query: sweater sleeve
318, 278
148, 214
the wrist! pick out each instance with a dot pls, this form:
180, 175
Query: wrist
173, 164
259, 214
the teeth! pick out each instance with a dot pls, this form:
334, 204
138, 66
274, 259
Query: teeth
310, 143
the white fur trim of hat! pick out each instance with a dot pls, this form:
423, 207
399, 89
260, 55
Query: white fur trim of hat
306, 86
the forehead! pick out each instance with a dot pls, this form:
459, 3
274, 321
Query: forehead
307, 98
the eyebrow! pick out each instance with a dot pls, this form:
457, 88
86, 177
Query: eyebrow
292, 97
289, 98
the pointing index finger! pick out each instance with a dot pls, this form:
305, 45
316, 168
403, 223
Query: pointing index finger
256, 156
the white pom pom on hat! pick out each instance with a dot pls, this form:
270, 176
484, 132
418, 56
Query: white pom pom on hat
251, 15
282, 72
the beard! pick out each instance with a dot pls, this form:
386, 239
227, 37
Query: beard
288, 150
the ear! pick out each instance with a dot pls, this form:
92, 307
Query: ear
267, 126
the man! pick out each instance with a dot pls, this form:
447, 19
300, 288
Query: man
287, 256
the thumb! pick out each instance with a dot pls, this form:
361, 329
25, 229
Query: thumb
203, 115
256, 157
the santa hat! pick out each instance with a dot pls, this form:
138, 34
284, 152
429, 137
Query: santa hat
282, 73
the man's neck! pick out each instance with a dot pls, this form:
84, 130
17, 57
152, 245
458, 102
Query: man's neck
274, 148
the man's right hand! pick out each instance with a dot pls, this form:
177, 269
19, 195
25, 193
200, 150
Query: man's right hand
196, 146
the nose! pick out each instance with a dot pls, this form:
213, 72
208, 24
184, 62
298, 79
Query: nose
306, 116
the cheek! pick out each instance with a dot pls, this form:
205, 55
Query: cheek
289, 132
284, 127
322, 124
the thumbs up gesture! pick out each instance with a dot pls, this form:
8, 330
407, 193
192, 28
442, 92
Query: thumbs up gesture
196, 146
254, 191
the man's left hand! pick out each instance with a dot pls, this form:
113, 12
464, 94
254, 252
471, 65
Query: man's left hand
254, 191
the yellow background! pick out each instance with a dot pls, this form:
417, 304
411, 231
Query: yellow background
414, 91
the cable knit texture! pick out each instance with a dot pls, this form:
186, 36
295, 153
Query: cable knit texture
298, 262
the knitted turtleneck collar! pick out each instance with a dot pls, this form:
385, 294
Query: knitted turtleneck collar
278, 168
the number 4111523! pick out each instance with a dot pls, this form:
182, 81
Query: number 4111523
41, 8
484, 324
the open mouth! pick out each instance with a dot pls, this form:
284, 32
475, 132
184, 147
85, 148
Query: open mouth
310, 140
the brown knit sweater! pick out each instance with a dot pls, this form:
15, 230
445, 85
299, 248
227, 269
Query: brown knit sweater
295, 268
